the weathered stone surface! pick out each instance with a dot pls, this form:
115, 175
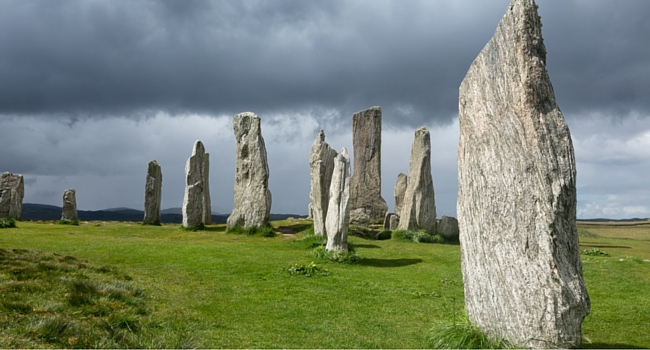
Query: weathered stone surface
194, 199
387, 220
338, 210
12, 191
419, 209
252, 195
448, 228
517, 193
365, 185
394, 223
400, 191
360, 217
69, 210
153, 193
207, 203
321, 164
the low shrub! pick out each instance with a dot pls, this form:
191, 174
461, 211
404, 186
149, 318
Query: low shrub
462, 334
308, 270
7, 222
264, 231
68, 222
416, 236
384, 235
339, 256
594, 252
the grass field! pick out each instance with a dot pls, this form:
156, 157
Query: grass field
212, 289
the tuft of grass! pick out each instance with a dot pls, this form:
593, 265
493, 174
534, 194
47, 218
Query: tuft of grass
264, 231
308, 270
462, 334
594, 252
155, 223
50, 300
310, 241
584, 233
339, 256
7, 222
68, 222
416, 236
199, 227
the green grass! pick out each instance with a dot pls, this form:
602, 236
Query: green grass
216, 290
7, 222
68, 222
461, 334
416, 236
264, 231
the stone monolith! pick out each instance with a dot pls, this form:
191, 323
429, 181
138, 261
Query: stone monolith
12, 191
152, 193
252, 195
194, 199
365, 185
399, 192
338, 210
419, 208
448, 228
517, 193
388, 219
69, 210
321, 164
207, 203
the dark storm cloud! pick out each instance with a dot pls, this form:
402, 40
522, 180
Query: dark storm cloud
97, 58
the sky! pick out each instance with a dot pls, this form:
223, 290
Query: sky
92, 90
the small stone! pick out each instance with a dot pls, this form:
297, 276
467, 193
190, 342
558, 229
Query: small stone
69, 210
252, 196
194, 200
400, 191
152, 193
338, 210
419, 210
448, 228
365, 185
321, 164
394, 222
207, 203
387, 220
12, 191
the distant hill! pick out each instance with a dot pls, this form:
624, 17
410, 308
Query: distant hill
32, 211
612, 220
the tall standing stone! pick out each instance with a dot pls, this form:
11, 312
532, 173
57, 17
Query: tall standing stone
252, 195
365, 185
12, 191
419, 209
207, 203
152, 193
448, 228
194, 199
338, 210
69, 210
321, 164
399, 192
517, 193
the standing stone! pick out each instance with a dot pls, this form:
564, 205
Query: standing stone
365, 185
69, 211
194, 199
207, 203
338, 210
321, 163
252, 195
448, 228
419, 209
400, 191
12, 191
388, 219
394, 223
517, 193
152, 194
